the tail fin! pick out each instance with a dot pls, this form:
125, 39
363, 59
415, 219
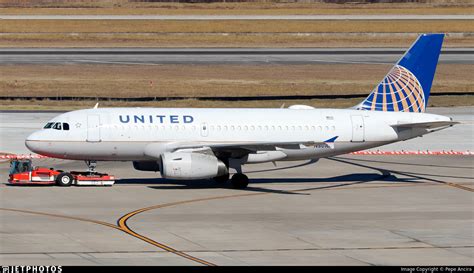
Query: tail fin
406, 88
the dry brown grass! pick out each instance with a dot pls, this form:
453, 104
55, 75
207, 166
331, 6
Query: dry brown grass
442, 101
277, 33
210, 80
458, 7
229, 26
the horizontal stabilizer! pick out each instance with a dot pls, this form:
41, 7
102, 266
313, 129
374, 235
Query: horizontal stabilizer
427, 125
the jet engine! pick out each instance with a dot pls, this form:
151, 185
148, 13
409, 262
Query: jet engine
150, 166
181, 165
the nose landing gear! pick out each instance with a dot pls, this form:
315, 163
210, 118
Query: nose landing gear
91, 165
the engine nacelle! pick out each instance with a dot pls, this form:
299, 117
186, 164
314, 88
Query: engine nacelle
191, 166
150, 166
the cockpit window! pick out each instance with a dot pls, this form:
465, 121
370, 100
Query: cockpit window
48, 125
57, 126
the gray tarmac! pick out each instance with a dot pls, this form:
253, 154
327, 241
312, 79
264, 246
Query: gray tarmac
241, 17
160, 56
348, 210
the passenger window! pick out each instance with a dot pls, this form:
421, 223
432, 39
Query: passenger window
65, 126
57, 126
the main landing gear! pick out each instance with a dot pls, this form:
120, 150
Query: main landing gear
238, 181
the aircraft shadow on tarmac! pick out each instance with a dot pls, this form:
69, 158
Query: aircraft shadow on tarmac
337, 181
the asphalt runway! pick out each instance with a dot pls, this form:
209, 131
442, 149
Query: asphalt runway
136, 56
376, 17
348, 210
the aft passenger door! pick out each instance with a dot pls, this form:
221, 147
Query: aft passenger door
93, 128
358, 130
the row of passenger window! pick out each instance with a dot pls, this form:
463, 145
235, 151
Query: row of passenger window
57, 126
228, 127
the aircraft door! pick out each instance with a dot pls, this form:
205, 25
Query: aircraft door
93, 128
358, 129
204, 129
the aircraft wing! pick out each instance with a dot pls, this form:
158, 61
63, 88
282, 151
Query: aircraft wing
252, 146
426, 125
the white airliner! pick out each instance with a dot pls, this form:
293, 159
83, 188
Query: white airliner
188, 143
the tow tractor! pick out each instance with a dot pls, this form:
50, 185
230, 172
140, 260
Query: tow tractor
22, 172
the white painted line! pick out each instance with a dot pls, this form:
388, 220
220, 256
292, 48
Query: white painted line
348, 62
110, 62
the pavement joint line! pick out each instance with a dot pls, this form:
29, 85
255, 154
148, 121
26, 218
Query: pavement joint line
246, 250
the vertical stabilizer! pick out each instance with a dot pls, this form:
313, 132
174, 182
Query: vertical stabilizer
406, 88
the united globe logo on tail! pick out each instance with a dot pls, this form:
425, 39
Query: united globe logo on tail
407, 87
399, 91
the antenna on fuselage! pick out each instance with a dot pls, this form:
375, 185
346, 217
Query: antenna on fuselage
96, 106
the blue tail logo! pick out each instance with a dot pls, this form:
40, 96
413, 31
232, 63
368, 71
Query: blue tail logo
406, 88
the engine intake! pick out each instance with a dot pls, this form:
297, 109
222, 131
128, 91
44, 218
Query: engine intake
184, 166
150, 166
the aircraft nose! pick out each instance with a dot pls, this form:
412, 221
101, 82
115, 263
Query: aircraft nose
33, 142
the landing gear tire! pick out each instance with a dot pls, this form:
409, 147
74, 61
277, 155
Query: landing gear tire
221, 179
239, 181
64, 180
